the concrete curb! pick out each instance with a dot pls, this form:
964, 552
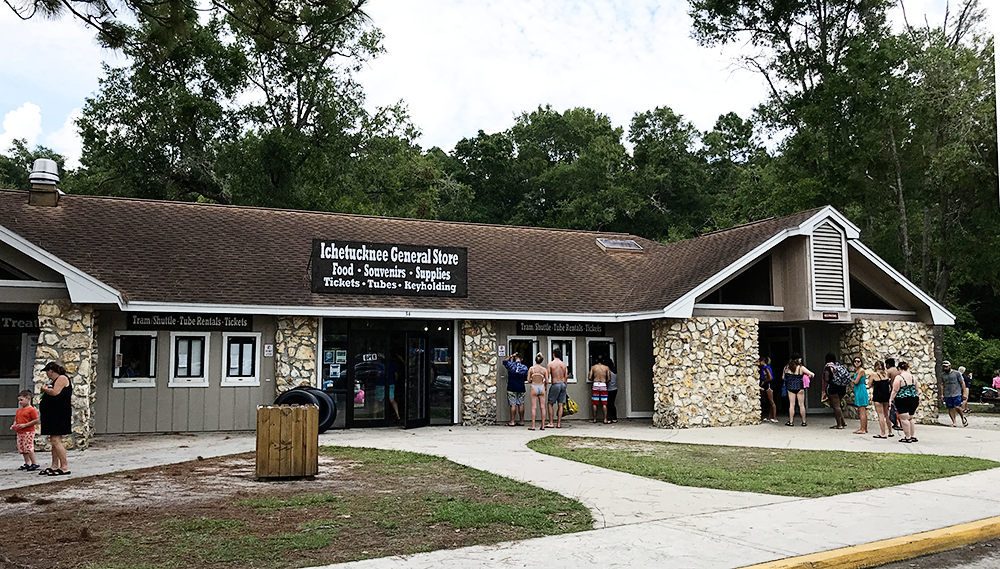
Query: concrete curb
890, 550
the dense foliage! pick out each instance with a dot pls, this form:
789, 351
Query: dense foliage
255, 103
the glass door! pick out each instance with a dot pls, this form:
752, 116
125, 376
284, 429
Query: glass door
416, 382
374, 382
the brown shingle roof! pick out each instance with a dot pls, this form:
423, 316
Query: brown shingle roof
179, 252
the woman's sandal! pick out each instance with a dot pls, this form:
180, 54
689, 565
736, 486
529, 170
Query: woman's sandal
58, 472
804, 424
879, 437
45, 472
789, 424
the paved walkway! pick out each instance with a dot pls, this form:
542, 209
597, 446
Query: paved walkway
641, 522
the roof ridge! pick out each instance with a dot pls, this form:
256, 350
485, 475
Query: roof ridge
335, 213
811, 212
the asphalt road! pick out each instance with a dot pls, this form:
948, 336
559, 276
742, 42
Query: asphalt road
982, 555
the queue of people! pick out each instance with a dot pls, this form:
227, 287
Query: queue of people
892, 388
546, 388
54, 414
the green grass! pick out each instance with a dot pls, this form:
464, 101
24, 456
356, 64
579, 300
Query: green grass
270, 504
784, 472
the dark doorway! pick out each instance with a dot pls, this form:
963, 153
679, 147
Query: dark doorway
779, 343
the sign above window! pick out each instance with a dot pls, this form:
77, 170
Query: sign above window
354, 267
19, 321
561, 328
189, 322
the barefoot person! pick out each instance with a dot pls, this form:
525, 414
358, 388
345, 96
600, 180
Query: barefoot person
599, 394
766, 392
860, 382
881, 389
558, 375
792, 375
538, 377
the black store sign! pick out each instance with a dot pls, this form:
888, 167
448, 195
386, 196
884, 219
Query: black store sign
561, 328
355, 267
189, 322
18, 321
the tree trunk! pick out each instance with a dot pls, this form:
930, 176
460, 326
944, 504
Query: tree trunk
925, 253
904, 233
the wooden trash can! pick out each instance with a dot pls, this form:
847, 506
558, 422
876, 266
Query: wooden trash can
287, 441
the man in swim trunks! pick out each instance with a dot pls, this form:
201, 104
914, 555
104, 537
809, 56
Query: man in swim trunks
558, 374
599, 396
951, 386
517, 373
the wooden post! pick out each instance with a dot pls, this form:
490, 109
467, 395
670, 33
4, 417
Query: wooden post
287, 441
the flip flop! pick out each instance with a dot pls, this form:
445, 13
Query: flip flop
879, 437
510, 424
46, 472
965, 422
531, 428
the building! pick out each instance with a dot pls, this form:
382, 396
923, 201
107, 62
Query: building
184, 317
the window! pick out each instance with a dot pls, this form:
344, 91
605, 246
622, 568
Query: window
242, 360
135, 359
527, 346
189, 359
598, 348
564, 345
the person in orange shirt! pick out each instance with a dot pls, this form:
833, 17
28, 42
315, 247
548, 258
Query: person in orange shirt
25, 420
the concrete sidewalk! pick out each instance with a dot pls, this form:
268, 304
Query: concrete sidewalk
639, 522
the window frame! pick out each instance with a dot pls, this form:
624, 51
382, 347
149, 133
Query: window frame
134, 381
190, 381
239, 380
570, 365
600, 339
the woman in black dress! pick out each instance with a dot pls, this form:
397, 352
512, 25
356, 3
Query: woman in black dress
56, 412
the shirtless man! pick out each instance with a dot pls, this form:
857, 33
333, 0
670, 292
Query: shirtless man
558, 374
599, 375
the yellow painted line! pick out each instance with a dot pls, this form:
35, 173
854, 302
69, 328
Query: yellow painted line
889, 550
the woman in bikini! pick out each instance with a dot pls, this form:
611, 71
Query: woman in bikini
881, 388
538, 377
906, 398
792, 375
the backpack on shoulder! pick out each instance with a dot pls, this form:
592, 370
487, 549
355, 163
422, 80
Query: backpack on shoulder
840, 375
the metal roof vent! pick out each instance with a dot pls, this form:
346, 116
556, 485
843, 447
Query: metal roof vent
625, 245
44, 177
45, 172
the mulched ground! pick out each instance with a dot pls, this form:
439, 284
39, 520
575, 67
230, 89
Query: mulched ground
209, 513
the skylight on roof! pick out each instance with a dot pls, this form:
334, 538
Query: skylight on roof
627, 245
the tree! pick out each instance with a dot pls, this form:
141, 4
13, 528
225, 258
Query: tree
669, 174
16, 165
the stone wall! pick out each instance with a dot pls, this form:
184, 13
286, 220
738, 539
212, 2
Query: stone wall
68, 336
705, 373
479, 372
296, 344
911, 341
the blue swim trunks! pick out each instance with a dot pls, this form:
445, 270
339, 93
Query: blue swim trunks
953, 401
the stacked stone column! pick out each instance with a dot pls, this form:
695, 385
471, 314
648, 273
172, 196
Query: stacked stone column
296, 344
705, 373
875, 340
68, 336
479, 372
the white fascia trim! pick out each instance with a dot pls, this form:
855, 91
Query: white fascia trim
353, 312
832, 214
31, 284
82, 287
939, 314
866, 311
740, 307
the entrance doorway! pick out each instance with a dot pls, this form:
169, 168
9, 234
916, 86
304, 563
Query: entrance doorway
779, 343
386, 373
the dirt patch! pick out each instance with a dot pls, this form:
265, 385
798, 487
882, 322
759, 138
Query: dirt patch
214, 513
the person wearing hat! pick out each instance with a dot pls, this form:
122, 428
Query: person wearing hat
951, 386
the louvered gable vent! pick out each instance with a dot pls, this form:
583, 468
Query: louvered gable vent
828, 267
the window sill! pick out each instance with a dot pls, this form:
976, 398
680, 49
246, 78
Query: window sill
139, 383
